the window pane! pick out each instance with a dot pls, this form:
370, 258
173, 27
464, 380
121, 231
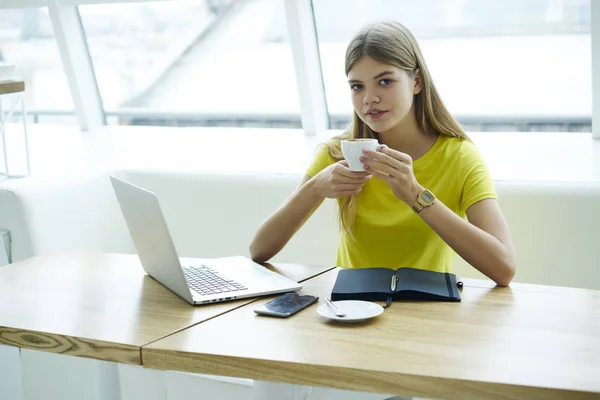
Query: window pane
498, 65
210, 63
27, 40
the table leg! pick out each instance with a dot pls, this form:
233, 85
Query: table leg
11, 385
18, 100
26, 138
4, 146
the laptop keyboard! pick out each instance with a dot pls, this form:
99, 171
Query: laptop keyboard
206, 281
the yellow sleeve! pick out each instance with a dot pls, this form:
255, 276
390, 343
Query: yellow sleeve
320, 161
478, 181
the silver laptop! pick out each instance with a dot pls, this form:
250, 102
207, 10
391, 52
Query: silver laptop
209, 281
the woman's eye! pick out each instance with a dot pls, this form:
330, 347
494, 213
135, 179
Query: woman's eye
356, 87
385, 82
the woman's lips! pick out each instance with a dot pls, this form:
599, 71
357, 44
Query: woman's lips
376, 114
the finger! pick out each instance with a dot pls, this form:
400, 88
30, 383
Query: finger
395, 154
349, 177
354, 175
344, 164
374, 165
346, 168
356, 181
380, 174
382, 157
348, 186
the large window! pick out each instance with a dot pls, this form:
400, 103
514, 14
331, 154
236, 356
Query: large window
27, 40
197, 62
520, 65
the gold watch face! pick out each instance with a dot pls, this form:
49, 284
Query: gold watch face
427, 197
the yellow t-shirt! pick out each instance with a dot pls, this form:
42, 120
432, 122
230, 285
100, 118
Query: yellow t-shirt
387, 233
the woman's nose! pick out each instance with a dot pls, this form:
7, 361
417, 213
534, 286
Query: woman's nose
371, 97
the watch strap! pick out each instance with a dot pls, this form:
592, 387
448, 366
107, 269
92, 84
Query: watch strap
417, 207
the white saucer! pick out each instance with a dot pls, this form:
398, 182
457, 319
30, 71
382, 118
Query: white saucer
355, 310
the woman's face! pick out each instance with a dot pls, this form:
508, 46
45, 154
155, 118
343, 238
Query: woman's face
382, 94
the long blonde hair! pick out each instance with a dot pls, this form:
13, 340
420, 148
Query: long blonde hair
392, 43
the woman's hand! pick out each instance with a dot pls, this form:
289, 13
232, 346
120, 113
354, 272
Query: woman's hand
395, 168
338, 181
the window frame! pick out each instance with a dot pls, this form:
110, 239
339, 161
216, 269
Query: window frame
300, 20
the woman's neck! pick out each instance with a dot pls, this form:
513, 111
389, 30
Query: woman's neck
407, 137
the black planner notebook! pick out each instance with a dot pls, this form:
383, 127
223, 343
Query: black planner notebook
373, 284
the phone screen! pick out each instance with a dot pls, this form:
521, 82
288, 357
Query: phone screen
287, 304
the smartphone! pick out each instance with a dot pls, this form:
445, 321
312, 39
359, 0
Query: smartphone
286, 305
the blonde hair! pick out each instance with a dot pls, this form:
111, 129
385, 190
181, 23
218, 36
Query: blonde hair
392, 43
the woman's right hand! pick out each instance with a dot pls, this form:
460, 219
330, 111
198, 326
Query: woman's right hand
338, 181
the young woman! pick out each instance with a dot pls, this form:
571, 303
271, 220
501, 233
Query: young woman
426, 193
424, 196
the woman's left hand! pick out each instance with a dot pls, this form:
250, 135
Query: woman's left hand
396, 169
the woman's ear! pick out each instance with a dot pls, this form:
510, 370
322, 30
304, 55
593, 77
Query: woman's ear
418, 82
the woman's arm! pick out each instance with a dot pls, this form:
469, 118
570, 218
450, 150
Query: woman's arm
484, 241
274, 233
333, 182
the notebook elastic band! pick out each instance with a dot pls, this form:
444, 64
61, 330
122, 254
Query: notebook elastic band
388, 302
449, 286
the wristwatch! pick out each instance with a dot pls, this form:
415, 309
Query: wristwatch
424, 199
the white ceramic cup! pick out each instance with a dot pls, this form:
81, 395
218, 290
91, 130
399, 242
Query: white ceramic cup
352, 149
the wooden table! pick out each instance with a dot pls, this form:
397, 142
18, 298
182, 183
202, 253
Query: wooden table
100, 306
525, 341
12, 86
